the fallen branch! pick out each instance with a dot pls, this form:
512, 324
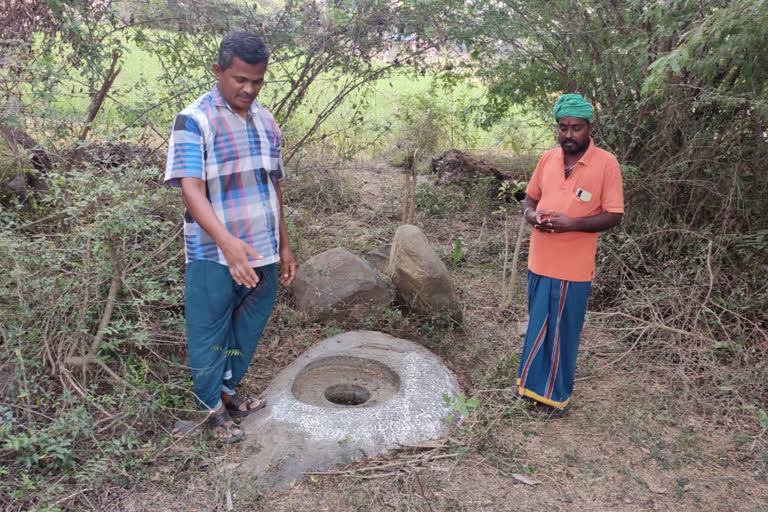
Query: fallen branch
655, 325
525, 480
114, 287
622, 356
28, 225
405, 464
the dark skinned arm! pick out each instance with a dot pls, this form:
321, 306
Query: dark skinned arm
287, 260
551, 221
529, 210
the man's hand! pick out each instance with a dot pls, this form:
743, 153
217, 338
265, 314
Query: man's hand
287, 265
236, 253
531, 217
551, 221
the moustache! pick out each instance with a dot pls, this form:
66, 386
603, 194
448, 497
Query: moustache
566, 141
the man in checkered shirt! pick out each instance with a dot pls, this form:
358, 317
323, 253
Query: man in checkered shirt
224, 154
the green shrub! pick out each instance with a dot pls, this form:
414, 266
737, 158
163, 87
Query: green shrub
94, 424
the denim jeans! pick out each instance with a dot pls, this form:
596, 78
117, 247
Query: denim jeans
224, 324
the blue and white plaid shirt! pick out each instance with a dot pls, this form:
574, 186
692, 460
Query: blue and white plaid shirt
237, 159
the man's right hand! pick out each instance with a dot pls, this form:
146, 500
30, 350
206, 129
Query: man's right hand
236, 253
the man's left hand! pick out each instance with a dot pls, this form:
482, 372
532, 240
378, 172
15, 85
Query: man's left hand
287, 266
551, 221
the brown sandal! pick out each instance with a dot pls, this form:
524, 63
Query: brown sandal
236, 400
219, 421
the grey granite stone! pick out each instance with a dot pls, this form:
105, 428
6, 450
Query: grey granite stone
338, 284
301, 430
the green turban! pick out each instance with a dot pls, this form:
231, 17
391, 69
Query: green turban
573, 105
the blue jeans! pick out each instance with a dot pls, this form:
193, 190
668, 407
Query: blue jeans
224, 324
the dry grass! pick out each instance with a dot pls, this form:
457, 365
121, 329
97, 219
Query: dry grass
636, 439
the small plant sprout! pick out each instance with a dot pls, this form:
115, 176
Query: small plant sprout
459, 404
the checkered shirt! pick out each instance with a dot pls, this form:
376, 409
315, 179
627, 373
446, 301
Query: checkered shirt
236, 158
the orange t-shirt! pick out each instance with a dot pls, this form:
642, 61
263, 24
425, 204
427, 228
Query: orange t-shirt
593, 187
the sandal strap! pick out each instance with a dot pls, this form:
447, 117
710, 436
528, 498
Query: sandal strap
220, 420
239, 399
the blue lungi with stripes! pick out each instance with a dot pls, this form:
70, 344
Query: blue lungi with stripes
556, 310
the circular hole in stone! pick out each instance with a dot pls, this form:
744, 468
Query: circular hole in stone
345, 381
347, 394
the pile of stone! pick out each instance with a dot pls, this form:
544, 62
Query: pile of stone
338, 284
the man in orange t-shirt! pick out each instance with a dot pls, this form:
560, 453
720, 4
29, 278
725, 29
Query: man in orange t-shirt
574, 193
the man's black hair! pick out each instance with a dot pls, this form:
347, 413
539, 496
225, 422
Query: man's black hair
245, 46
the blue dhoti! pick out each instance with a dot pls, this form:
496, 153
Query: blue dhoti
556, 310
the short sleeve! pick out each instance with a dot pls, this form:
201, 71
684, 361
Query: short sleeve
533, 190
612, 196
186, 151
276, 144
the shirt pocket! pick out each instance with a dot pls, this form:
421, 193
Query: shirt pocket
584, 202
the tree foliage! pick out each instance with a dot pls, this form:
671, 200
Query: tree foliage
679, 88
677, 84
90, 266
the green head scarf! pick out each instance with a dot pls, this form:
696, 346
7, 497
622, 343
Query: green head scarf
573, 105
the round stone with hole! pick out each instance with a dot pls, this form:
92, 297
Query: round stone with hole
360, 393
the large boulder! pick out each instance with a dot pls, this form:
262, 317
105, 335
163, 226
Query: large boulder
337, 284
421, 278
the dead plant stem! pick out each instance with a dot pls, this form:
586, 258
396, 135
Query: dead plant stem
117, 277
421, 489
711, 284
26, 388
656, 325
504, 273
622, 356
509, 296
157, 251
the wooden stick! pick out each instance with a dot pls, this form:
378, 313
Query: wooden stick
117, 278
510, 296
412, 194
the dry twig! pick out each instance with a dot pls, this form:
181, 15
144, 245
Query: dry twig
117, 278
405, 462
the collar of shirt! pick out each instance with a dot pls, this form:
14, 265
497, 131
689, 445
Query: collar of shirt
586, 158
219, 101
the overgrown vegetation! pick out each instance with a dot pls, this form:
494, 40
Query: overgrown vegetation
680, 92
91, 329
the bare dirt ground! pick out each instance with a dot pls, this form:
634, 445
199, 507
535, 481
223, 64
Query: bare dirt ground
633, 441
